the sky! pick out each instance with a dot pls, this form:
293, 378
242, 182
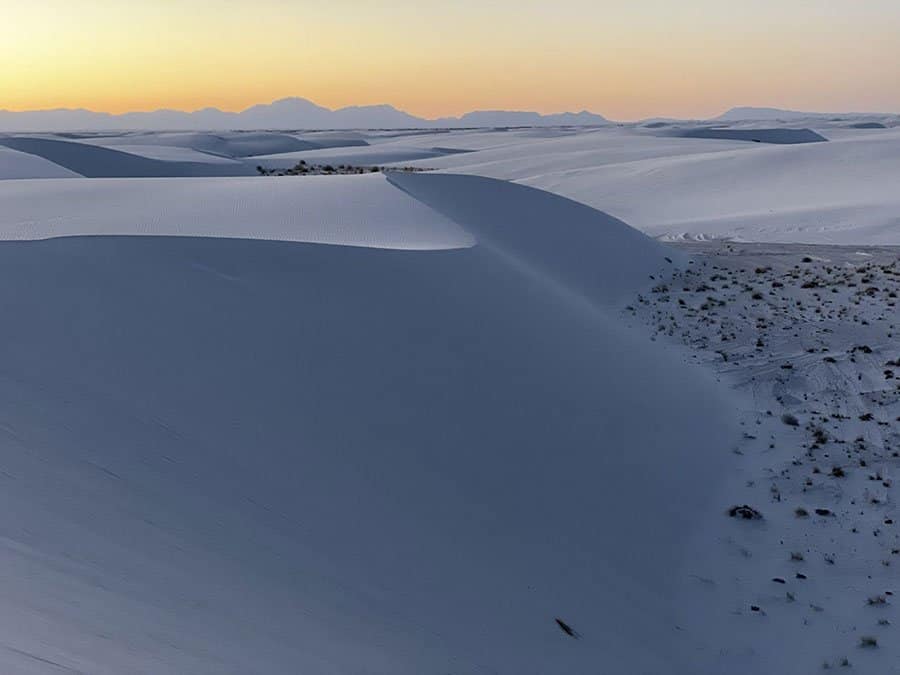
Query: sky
623, 59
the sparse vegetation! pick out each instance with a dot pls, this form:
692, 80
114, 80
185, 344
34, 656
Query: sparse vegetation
790, 420
302, 168
744, 512
821, 337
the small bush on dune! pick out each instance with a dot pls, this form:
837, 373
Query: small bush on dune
790, 420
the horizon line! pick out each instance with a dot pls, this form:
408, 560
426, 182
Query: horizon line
324, 108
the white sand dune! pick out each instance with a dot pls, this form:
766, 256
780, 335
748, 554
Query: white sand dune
394, 424
843, 191
561, 240
809, 332
838, 192
386, 148
370, 155
15, 164
516, 156
94, 161
336, 139
350, 210
233, 456
226, 144
780, 136
174, 153
657, 180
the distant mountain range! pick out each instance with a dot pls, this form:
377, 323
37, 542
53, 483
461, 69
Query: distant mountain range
300, 113
774, 114
287, 113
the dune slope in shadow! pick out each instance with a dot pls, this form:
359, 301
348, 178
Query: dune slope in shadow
232, 456
94, 161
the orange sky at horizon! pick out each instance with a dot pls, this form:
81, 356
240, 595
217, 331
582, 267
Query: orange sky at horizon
652, 58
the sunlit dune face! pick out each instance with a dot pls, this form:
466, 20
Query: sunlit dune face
654, 57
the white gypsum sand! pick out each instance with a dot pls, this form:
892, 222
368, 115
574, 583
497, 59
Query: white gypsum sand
809, 337
403, 422
230, 456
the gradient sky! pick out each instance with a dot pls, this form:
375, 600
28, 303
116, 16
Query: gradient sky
624, 59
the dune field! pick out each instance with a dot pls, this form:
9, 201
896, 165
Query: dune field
563, 399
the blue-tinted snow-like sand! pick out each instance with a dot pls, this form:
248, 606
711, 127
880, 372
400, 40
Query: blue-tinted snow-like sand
232, 456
